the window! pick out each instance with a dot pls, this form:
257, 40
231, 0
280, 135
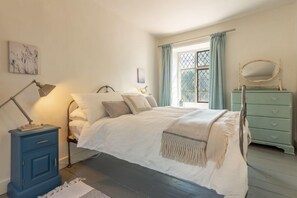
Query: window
190, 74
194, 75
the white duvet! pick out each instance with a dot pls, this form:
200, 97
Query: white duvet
137, 139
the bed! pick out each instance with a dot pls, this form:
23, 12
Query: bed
137, 139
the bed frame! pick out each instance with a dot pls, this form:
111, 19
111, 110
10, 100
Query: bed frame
72, 105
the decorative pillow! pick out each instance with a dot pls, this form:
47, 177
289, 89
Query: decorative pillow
116, 108
151, 100
78, 114
91, 103
137, 103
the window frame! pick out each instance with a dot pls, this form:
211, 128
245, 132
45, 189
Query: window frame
204, 67
196, 68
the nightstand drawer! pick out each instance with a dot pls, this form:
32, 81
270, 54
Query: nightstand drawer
271, 136
279, 124
38, 141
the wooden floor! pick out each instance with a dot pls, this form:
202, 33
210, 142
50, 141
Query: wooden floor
272, 174
120, 179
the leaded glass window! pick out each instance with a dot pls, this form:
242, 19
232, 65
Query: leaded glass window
194, 75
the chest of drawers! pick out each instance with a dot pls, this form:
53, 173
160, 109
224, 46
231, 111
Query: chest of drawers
34, 162
269, 114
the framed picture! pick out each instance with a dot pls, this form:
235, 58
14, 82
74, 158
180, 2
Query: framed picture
140, 75
23, 58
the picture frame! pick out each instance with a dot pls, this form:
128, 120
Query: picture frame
140, 75
23, 58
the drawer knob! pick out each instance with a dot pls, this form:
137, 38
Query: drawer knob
274, 124
274, 98
274, 111
42, 142
274, 137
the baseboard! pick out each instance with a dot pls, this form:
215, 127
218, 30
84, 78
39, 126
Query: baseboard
82, 154
3, 186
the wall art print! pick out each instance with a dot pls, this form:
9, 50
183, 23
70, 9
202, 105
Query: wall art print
140, 75
23, 58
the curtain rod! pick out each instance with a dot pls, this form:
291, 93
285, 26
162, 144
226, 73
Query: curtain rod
194, 38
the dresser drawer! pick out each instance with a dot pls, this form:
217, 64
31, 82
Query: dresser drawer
266, 110
279, 124
40, 140
281, 98
271, 136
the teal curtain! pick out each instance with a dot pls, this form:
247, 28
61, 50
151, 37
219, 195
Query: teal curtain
166, 81
216, 71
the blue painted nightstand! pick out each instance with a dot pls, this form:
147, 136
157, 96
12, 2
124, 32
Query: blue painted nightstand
34, 162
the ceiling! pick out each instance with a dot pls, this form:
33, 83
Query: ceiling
166, 17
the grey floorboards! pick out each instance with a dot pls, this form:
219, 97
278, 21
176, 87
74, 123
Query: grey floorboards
272, 174
121, 179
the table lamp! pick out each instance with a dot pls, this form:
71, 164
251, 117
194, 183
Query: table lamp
43, 90
143, 90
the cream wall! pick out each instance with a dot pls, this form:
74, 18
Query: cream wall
81, 46
268, 35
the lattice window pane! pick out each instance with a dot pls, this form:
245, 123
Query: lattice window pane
203, 85
203, 58
188, 85
187, 60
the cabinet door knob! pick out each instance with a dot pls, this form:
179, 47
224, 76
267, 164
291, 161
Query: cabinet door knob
42, 142
274, 111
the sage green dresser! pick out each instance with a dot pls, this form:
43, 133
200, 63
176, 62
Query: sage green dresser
269, 114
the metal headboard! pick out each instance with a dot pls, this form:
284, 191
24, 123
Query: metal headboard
106, 87
72, 105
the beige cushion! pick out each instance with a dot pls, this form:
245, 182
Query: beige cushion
137, 103
116, 108
151, 100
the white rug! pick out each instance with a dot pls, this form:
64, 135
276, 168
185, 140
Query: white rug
74, 189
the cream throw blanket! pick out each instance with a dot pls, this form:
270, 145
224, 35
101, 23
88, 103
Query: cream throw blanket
186, 139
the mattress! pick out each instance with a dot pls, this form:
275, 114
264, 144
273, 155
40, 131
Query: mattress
137, 139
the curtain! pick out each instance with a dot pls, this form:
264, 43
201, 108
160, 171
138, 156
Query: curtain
216, 71
166, 80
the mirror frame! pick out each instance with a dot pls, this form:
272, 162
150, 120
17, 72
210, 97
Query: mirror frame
275, 73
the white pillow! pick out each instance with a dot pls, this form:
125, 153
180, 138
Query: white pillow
137, 103
78, 114
91, 103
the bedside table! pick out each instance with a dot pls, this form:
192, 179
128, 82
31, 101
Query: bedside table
34, 162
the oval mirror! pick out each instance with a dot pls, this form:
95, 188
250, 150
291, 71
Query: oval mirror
260, 70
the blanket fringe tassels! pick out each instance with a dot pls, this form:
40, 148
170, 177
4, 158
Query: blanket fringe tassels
188, 151
183, 150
